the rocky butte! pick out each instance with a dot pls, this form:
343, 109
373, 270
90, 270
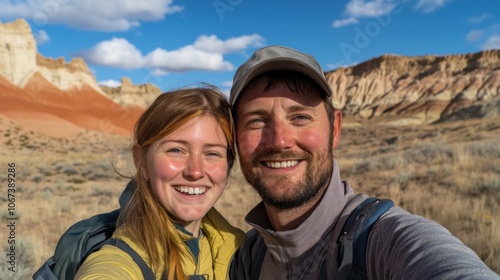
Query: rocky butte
424, 89
59, 97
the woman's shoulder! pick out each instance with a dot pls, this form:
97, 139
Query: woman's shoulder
110, 262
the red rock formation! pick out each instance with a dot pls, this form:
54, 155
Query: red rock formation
416, 89
52, 96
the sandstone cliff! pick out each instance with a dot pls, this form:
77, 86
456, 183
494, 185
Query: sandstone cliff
17, 52
126, 94
52, 96
417, 89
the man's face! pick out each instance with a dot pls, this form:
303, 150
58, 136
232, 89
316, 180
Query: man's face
285, 144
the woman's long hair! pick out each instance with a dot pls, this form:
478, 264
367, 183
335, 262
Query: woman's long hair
144, 219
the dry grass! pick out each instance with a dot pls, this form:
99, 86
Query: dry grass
447, 172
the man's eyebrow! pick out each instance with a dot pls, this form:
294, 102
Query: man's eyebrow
298, 108
254, 112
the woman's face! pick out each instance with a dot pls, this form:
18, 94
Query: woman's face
188, 170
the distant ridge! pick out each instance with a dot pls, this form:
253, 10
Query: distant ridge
422, 89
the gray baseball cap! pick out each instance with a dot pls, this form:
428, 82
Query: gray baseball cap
277, 58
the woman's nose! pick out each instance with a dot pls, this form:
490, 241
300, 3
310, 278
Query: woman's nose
194, 168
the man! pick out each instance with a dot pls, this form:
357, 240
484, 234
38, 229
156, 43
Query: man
286, 131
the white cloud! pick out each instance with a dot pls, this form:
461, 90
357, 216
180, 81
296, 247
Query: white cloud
110, 83
187, 58
344, 22
428, 6
480, 18
474, 35
493, 42
375, 8
15, 10
41, 37
214, 45
356, 9
116, 52
115, 15
205, 54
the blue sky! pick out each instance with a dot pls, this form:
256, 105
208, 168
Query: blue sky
176, 43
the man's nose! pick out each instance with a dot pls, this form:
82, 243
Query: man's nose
194, 168
279, 136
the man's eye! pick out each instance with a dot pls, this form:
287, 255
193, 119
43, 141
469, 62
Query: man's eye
301, 117
257, 122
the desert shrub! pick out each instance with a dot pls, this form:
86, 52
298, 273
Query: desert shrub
99, 191
37, 178
76, 180
63, 204
68, 170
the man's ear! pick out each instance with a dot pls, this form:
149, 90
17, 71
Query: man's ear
337, 124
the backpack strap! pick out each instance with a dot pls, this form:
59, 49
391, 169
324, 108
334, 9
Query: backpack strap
146, 270
45, 271
354, 237
247, 261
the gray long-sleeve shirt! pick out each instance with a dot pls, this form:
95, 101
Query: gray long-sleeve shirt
400, 245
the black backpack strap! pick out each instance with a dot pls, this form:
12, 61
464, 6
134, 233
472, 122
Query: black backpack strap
45, 271
247, 261
147, 272
354, 237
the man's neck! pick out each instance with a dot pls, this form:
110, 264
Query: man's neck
288, 219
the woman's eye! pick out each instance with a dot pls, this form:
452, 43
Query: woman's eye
214, 154
173, 150
217, 153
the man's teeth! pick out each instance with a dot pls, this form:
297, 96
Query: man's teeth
281, 164
189, 190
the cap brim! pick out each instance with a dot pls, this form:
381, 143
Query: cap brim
279, 64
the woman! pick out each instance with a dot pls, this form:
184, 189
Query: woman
183, 153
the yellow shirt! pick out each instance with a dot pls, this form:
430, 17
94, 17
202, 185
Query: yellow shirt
217, 246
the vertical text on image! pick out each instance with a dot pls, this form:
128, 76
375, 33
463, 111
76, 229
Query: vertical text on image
11, 216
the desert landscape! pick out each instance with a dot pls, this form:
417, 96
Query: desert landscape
422, 131
446, 172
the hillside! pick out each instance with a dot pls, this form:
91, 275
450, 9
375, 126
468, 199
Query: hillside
416, 90
60, 98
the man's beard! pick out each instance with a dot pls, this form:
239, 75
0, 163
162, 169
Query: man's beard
281, 194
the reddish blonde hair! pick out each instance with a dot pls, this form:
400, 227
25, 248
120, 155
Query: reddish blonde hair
144, 218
